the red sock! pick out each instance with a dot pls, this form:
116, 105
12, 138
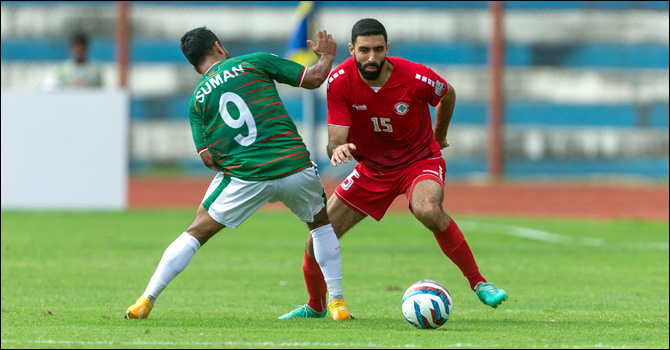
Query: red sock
316, 285
453, 245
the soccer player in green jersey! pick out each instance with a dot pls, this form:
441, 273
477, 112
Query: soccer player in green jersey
241, 130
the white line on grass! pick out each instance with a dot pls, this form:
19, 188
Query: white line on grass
529, 233
303, 344
233, 343
551, 237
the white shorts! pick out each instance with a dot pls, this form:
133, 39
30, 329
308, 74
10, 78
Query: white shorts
230, 201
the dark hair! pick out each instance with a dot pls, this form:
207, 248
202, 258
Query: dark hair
367, 26
197, 44
79, 38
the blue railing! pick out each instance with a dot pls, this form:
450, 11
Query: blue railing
591, 55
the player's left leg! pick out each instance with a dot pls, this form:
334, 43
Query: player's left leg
426, 204
303, 193
228, 202
174, 260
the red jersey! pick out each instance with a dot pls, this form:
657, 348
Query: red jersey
392, 127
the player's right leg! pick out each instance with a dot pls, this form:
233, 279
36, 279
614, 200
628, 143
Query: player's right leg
363, 193
175, 259
322, 245
326, 249
342, 219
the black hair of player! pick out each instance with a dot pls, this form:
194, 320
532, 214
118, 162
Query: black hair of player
366, 27
79, 38
197, 44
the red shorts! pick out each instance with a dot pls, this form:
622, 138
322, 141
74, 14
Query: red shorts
371, 194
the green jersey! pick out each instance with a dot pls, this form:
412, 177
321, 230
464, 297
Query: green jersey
237, 115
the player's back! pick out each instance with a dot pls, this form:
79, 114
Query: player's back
243, 121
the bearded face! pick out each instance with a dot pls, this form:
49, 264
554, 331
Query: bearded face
370, 70
370, 55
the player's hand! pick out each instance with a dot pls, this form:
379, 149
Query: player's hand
443, 143
342, 154
325, 44
208, 160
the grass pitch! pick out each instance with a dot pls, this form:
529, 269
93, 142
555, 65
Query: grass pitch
67, 279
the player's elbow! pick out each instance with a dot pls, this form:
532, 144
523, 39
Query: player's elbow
209, 162
450, 95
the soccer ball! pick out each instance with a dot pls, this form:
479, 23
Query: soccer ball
427, 304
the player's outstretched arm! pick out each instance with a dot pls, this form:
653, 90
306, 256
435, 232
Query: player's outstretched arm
443, 113
325, 48
338, 149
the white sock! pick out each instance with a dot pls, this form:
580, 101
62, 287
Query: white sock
174, 260
327, 254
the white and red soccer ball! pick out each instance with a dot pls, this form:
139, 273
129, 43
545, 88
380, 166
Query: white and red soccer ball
427, 304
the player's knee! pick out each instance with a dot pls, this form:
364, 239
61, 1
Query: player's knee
426, 210
320, 219
429, 215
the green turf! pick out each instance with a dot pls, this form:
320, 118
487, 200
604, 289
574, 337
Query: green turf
67, 279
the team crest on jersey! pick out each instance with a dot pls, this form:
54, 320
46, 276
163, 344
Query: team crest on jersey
439, 88
401, 108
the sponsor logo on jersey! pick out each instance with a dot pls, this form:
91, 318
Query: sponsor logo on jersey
360, 108
439, 88
401, 108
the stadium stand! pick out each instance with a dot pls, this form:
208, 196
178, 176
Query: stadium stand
586, 83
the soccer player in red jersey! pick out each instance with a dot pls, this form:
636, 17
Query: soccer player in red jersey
378, 115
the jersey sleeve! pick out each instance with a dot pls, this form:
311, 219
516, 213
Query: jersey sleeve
338, 112
197, 126
432, 87
280, 69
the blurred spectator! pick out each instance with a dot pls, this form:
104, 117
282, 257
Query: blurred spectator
79, 70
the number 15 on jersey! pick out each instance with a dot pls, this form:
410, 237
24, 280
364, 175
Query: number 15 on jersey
382, 124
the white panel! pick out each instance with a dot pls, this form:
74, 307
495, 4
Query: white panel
65, 150
559, 85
